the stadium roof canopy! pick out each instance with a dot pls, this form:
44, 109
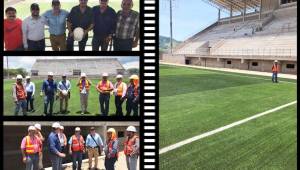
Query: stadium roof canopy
235, 5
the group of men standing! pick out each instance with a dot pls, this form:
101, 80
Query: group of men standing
121, 27
32, 148
23, 94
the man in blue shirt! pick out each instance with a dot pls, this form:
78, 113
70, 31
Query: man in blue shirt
94, 145
55, 151
56, 20
30, 90
49, 88
105, 19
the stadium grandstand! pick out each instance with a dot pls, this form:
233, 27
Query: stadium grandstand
255, 33
74, 67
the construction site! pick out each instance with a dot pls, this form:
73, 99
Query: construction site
256, 33
15, 131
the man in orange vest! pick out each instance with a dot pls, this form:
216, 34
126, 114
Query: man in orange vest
84, 87
104, 87
131, 148
111, 149
132, 95
76, 148
275, 70
19, 96
30, 148
120, 93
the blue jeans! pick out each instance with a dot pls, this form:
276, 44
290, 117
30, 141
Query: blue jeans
123, 44
274, 77
56, 162
70, 43
77, 157
36, 45
104, 103
29, 101
32, 162
47, 100
132, 106
110, 163
21, 104
99, 42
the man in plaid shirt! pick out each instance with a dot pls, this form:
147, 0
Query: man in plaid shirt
127, 30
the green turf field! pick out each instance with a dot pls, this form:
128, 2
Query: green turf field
74, 102
201, 100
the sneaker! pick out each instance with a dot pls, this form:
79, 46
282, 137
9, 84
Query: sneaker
82, 113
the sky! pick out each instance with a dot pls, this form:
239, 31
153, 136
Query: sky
27, 62
189, 17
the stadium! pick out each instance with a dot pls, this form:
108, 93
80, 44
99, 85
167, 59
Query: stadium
223, 111
72, 67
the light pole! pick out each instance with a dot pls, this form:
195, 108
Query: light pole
171, 29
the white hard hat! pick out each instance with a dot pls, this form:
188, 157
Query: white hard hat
55, 125
275, 61
78, 34
112, 130
27, 77
50, 73
31, 128
119, 76
19, 76
105, 75
77, 129
64, 75
61, 127
64, 92
131, 129
83, 75
38, 126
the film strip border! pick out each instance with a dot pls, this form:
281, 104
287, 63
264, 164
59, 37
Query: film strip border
150, 110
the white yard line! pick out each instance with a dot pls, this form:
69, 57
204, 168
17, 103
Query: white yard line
206, 134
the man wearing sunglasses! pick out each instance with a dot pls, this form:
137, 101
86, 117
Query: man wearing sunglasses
33, 30
80, 16
127, 29
105, 19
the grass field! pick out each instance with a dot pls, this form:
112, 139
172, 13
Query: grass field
201, 100
74, 102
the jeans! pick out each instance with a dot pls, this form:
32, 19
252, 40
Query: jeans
29, 100
104, 103
274, 77
56, 162
21, 104
118, 103
123, 44
132, 106
109, 163
131, 162
82, 43
36, 45
77, 157
47, 100
32, 162
99, 42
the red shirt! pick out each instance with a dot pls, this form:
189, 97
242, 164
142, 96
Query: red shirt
13, 34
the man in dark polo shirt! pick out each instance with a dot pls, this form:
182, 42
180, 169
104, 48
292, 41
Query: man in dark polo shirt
105, 19
80, 16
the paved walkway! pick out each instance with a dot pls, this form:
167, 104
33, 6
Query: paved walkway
287, 76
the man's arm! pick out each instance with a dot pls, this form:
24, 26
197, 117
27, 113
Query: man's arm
14, 93
24, 31
41, 137
33, 87
137, 33
124, 90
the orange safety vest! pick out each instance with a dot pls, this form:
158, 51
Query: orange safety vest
275, 68
110, 148
77, 145
29, 146
120, 89
20, 91
104, 87
128, 145
87, 85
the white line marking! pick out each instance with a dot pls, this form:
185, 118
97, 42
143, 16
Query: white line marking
206, 134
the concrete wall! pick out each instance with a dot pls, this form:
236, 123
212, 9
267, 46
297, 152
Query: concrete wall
178, 59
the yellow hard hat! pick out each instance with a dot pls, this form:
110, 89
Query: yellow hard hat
134, 77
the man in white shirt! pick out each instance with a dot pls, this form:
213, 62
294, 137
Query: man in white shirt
33, 30
64, 87
30, 90
120, 92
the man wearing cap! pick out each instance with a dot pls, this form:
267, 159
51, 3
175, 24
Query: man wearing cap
56, 20
94, 146
80, 16
19, 96
131, 148
30, 90
127, 29
55, 150
105, 19
275, 70
111, 149
30, 148
64, 87
12, 31
84, 87
120, 89
39, 135
33, 30
49, 88
104, 87
76, 149
132, 95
